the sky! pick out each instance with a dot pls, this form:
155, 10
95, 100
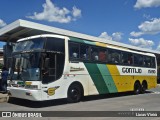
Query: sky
133, 22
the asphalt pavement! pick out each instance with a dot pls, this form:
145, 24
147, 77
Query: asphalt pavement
150, 101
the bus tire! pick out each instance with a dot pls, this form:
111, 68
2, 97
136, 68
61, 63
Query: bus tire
144, 87
137, 87
75, 93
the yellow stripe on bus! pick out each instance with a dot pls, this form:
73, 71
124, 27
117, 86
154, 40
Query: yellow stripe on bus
101, 44
116, 77
126, 82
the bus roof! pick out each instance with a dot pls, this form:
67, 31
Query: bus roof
22, 28
91, 43
44, 35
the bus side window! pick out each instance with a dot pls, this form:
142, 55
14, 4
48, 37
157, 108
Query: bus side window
136, 59
153, 65
124, 58
94, 53
127, 58
117, 56
74, 51
84, 52
111, 59
147, 61
103, 55
130, 59
140, 61
114, 56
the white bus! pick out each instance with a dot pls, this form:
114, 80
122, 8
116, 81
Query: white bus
46, 67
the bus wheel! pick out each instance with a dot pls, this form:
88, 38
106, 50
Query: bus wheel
137, 88
74, 93
144, 87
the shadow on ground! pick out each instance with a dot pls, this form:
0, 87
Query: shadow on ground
41, 104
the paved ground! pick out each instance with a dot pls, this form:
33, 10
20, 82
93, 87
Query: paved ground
149, 101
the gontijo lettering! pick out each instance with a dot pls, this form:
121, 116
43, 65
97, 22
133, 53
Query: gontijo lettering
131, 70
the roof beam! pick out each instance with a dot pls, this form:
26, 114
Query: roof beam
15, 35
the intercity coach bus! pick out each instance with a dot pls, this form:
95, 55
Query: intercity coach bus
46, 67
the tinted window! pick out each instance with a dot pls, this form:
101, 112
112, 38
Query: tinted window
55, 44
94, 53
138, 60
74, 50
114, 56
127, 58
147, 61
84, 52
153, 65
102, 55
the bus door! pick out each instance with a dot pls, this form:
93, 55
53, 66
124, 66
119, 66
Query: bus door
49, 75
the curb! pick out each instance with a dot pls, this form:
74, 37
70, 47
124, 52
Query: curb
4, 98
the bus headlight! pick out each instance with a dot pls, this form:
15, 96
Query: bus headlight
34, 87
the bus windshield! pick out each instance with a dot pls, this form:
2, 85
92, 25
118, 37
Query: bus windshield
31, 44
30, 56
26, 66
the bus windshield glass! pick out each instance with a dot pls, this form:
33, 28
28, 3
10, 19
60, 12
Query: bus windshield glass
31, 44
26, 66
30, 57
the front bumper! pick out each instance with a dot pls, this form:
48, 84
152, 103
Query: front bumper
34, 95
